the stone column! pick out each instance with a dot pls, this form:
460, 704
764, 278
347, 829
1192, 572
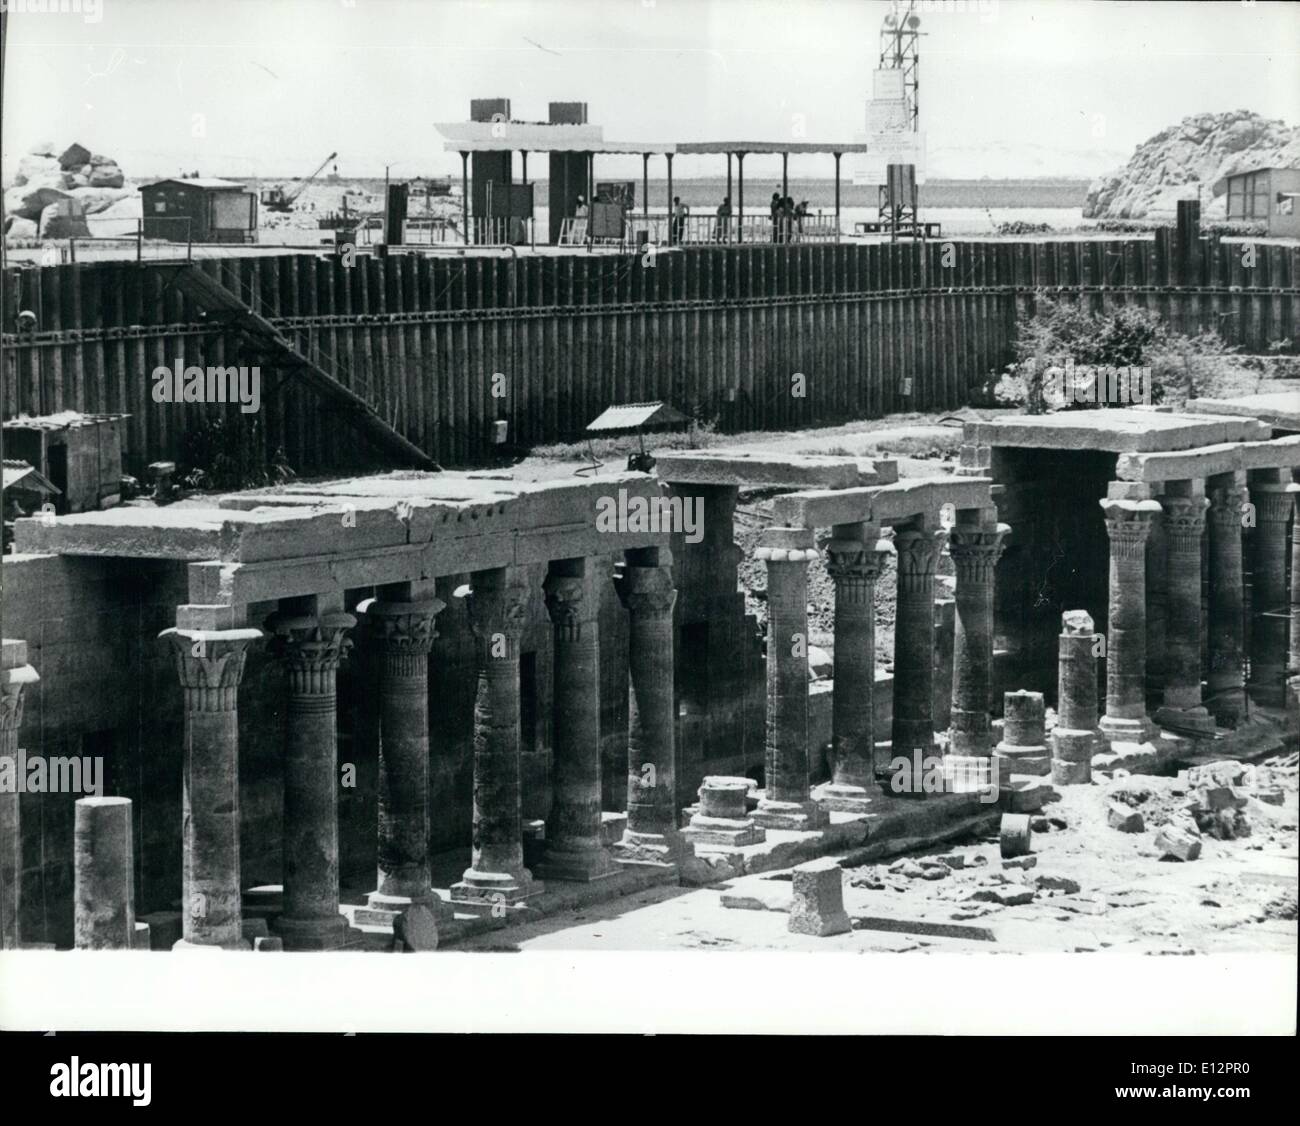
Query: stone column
573, 845
1075, 738
15, 675
645, 586
1184, 524
210, 665
786, 803
1293, 652
913, 727
1269, 599
401, 622
103, 875
1024, 733
1225, 679
1159, 606
975, 544
1128, 522
311, 645
855, 558
498, 605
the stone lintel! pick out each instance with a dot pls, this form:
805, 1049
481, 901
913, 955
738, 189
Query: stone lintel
881, 504
1126, 431
1280, 409
1207, 461
756, 469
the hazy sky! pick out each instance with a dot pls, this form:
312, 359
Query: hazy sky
269, 87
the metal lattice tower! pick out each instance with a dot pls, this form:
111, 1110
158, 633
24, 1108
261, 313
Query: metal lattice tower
900, 50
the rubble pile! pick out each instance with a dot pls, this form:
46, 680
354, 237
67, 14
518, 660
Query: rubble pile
53, 192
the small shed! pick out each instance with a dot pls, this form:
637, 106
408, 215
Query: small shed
80, 455
1267, 195
202, 209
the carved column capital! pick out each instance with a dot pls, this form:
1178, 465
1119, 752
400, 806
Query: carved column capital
1226, 503
568, 605
855, 566
498, 612
975, 550
210, 665
918, 556
1273, 502
647, 592
1184, 521
405, 627
311, 645
1128, 524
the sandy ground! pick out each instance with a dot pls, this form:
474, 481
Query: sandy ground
1091, 888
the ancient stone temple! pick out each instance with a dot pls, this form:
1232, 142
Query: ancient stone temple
387, 712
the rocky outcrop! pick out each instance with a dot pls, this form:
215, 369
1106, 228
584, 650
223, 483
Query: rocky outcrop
1193, 156
55, 190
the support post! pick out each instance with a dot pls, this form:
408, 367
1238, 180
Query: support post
645, 587
1270, 607
210, 665
740, 197
311, 641
855, 558
918, 550
975, 544
498, 604
401, 622
1227, 638
1184, 526
464, 196
15, 676
573, 844
786, 803
1128, 523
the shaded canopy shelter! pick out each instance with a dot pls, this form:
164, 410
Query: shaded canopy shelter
527, 140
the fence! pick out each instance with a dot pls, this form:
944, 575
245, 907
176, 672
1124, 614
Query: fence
718, 331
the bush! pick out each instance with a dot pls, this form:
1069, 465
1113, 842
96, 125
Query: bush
1060, 332
219, 455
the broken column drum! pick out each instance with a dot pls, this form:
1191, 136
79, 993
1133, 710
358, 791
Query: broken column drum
103, 875
1024, 732
1075, 738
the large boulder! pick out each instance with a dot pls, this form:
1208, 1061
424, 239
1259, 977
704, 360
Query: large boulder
105, 174
95, 200
33, 167
29, 200
73, 157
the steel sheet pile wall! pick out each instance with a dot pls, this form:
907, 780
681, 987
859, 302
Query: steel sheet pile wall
719, 332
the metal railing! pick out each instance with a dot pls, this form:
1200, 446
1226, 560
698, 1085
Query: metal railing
706, 230
152, 247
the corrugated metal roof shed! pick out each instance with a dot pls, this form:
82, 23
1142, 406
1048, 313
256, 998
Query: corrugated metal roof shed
632, 416
19, 471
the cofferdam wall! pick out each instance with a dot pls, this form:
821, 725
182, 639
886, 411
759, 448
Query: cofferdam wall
441, 347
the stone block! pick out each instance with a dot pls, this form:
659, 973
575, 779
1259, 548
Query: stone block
269, 942
416, 928
818, 905
1051, 881
1124, 819
1071, 773
1176, 843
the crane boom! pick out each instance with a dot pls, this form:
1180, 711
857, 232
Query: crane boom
302, 184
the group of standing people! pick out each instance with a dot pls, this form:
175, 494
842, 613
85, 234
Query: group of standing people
787, 218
